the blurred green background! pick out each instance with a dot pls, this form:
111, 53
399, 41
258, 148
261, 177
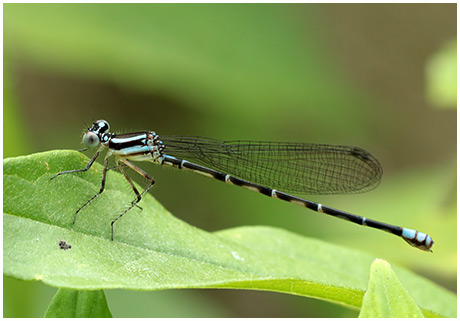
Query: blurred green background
378, 76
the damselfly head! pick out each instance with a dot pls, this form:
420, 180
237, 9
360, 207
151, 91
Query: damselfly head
93, 137
100, 127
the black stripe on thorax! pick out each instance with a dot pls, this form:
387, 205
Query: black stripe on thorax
128, 140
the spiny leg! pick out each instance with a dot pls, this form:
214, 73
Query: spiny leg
116, 166
142, 173
104, 172
88, 166
139, 195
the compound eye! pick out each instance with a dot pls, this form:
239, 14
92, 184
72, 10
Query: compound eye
103, 126
91, 140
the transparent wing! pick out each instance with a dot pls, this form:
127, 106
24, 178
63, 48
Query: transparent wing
290, 167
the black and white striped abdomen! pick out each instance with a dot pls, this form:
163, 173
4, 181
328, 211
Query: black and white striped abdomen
229, 179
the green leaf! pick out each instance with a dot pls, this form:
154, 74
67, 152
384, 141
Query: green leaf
78, 304
153, 250
386, 297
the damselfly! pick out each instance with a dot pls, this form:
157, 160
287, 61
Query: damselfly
292, 167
